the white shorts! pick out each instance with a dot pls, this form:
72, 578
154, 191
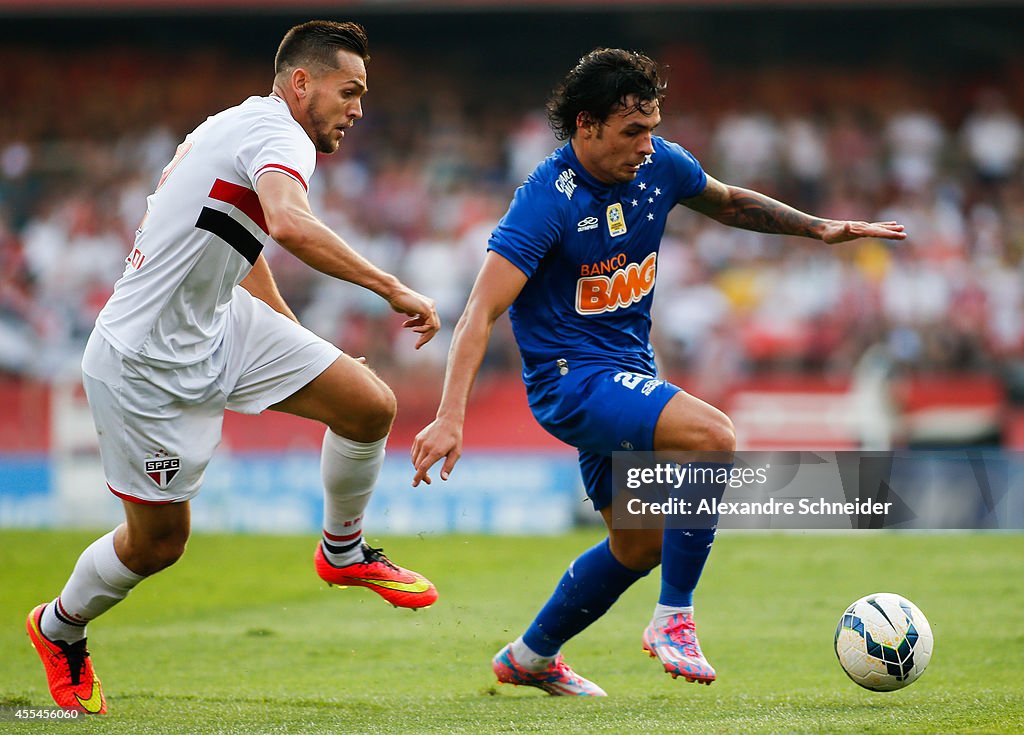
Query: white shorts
158, 426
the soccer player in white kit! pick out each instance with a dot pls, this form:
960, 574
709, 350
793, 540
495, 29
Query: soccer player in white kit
196, 325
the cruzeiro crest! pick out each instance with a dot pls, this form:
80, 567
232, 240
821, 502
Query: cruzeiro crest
161, 467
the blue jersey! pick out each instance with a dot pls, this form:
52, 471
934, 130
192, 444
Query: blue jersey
590, 253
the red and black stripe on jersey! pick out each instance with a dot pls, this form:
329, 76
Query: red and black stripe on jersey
227, 225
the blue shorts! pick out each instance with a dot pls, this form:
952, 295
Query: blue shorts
600, 410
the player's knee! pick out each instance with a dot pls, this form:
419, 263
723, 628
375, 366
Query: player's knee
380, 412
638, 554
695, 427
166, 552
371, 419
641, 560
388, 407
155, 554
718, 435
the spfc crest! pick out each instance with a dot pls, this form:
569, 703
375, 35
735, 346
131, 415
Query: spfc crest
162, 468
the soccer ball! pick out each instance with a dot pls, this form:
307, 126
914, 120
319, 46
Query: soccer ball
883, 642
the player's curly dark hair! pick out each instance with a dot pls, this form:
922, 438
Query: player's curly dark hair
600, 84
316, 44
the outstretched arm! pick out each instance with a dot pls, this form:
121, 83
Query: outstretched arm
496, 287
751, 210
294, 226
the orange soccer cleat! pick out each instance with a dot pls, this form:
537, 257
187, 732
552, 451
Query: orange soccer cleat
73, 683
400, 587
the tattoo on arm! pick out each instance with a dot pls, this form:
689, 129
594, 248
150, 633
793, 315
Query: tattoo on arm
751, 210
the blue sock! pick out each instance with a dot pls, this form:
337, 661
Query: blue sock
683, 554
685, 551
592, 583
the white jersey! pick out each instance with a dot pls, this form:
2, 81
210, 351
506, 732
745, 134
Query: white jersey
203, 231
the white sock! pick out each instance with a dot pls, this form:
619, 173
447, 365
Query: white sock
663, 612
99, 581
349, 470
527, 657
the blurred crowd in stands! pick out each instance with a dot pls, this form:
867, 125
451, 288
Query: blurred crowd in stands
422, 179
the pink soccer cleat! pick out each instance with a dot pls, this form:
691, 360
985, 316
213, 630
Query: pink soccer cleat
676, 646
557, 679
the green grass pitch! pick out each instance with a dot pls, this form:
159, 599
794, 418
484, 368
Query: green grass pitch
242, 637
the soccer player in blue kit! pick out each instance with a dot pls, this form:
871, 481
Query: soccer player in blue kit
575, 260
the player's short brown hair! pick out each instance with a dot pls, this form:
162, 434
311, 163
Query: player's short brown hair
600, 84
315, 45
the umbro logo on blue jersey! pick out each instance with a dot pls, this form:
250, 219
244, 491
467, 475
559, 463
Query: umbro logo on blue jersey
587, 223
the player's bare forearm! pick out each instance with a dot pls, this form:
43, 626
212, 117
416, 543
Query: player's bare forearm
326, 252
260, 283
751, 210
294, 226
442, 437
496, 287
469, 345
319, 247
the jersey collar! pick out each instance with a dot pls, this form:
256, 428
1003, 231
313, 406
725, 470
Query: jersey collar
581, 171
